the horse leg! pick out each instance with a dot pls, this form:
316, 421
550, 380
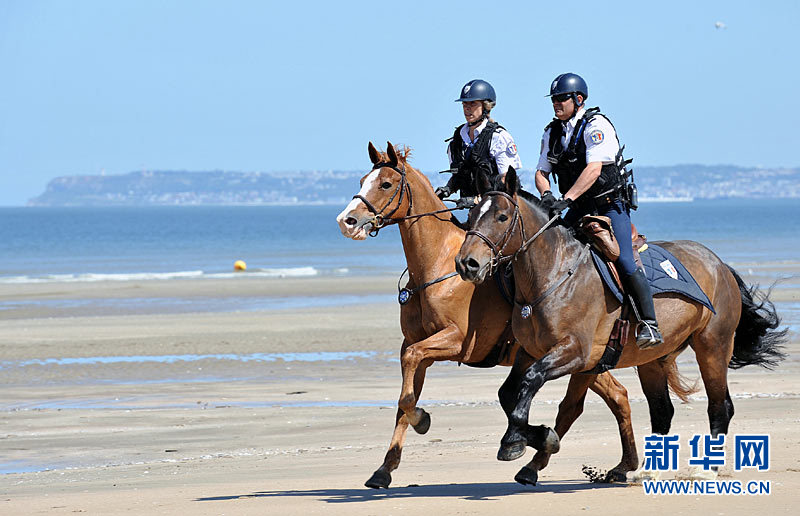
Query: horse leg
655, 385
382, 477
568, 411
616, 398
507, 394
567, 357
653, 379
541, 437
713, 358
414, 360
444, 345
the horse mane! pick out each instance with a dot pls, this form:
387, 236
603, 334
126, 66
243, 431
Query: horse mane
403, 153
535, 204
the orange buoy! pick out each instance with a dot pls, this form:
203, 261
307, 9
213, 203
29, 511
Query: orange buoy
239, 265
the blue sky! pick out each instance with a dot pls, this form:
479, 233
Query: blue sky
275, 86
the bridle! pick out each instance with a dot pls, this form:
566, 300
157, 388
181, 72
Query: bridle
379, 219
497, 248
498, 257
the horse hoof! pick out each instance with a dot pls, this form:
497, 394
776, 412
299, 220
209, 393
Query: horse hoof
527, 476
379, 480
615, 476
551, 443
424, 423
511, 451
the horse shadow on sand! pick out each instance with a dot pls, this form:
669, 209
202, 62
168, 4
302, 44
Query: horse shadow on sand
468, 491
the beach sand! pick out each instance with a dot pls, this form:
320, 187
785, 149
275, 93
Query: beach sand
113, 401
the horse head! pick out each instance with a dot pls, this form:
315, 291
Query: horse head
385, 195
495, 233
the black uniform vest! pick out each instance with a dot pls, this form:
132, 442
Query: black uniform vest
570, 162
471, 162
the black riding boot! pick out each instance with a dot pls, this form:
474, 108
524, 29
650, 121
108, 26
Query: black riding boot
647, 333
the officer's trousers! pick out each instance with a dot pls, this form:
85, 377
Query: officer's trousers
621, 223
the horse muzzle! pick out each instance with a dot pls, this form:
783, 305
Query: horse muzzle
354, 225
471, 269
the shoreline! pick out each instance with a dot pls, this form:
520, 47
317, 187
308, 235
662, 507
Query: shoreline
289, 411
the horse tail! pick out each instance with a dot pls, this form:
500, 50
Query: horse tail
678, 383
758, 341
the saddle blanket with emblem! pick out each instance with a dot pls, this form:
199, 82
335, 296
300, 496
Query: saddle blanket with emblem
665, 273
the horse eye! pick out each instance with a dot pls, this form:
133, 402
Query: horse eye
503, 217
386, 185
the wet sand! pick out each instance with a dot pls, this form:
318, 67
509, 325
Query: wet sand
136, 410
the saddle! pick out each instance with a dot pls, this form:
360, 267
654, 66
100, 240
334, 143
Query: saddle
597, 229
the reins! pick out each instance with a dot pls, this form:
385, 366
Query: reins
380, 221
498, 248
527, 308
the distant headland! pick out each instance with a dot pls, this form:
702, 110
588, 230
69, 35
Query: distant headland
168, 188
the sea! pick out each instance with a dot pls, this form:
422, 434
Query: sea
82, 244
41, 245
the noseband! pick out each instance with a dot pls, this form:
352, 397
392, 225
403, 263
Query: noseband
379, 219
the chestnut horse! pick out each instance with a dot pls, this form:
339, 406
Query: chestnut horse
563, 313
452, 319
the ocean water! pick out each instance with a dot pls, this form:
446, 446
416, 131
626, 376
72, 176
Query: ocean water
91, 244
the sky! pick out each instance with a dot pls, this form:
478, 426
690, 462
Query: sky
91, 87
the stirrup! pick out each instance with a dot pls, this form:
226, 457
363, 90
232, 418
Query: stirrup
648, 334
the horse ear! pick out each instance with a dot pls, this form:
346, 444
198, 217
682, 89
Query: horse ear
483, 183
374, 155
512, 182
392, 154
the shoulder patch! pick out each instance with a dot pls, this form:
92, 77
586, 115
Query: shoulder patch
512, 148
596, 136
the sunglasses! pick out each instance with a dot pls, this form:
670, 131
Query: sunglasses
562, 97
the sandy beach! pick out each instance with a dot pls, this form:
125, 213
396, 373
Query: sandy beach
118, 401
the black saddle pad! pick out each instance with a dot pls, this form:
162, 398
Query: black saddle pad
665, 273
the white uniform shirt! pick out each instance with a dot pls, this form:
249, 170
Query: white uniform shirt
502, 148
599, 136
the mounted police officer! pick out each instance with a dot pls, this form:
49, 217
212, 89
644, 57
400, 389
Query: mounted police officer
479, 145
581, 150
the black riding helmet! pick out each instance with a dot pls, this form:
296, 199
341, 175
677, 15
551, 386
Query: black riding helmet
477, 89
569, 83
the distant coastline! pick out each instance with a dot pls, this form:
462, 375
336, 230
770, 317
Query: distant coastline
666, 199
680, 183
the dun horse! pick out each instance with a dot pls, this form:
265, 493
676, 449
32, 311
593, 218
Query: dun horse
451, 319
563, 314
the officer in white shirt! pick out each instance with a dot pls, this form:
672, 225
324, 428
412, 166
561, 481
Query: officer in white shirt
581, 150
479, 147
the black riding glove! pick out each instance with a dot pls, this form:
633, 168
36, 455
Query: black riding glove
548, 199
465, 202
443, 191
559, 206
